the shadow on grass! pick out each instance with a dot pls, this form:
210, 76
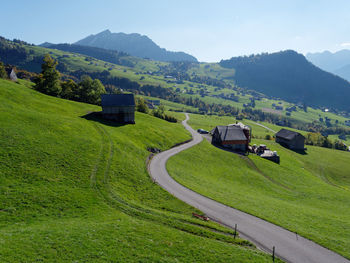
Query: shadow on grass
301, 152
97, 117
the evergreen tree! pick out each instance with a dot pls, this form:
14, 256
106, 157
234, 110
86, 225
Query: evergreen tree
97, 89
141, 105
69, 90
91, 90
49, 80
85, 88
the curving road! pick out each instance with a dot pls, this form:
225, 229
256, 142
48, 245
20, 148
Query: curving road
289, 247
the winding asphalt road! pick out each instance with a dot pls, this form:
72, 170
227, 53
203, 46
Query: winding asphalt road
288, 246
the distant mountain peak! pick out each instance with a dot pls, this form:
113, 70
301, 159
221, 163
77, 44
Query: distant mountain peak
337, 62
105, 32
134, 44
46, 44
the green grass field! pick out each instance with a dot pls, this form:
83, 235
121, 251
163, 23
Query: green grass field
76, 189
308, 194
172, 106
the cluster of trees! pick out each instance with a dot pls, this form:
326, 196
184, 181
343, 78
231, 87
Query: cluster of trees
158, 112
317, 139
49, 82
317, 127
141, 105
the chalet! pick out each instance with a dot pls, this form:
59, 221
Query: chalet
232, 136
290, 139
118, 107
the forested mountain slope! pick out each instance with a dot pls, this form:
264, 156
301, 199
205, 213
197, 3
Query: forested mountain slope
288, 75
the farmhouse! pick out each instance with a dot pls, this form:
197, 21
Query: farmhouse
118, 107
291, 139
234, 136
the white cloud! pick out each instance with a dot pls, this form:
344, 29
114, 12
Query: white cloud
346, 44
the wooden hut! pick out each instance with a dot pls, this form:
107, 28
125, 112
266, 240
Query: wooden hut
118, 107
291, 139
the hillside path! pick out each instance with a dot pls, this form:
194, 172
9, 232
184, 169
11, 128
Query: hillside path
289, 247
261, 125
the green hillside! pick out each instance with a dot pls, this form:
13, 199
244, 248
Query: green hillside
208, 82
77, 189
308, 194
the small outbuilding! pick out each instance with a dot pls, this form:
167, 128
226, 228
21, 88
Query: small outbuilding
232, 136
291, 139
118, 107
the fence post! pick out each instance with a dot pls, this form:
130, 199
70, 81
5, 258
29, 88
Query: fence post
273, 254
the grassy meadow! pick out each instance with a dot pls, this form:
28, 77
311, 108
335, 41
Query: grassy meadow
76, 189
308, 194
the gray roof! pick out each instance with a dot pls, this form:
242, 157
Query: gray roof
231, 133
287, 134
115, 100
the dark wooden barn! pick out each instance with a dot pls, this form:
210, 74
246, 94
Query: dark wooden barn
291, 139
232, 136
118, 107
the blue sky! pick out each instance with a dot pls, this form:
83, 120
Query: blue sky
209, 30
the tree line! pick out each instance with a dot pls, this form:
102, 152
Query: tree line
317, 139
158, 112
49, 82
